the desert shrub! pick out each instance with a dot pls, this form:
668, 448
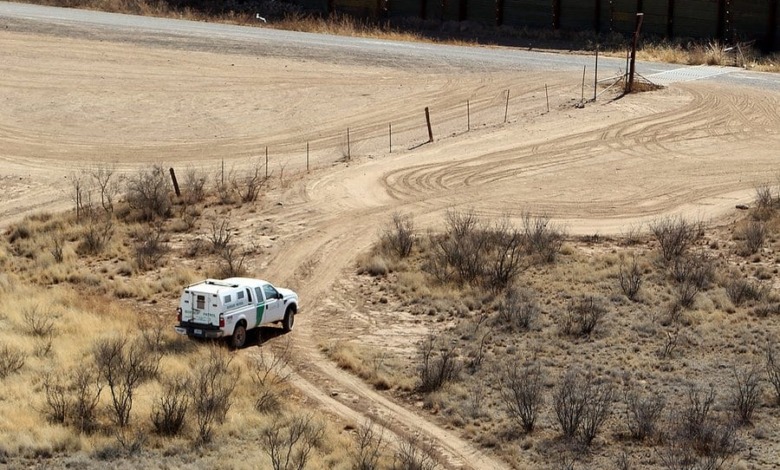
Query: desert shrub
582, 405
11, 360
56, 250
505, 253
108, 185
247, 184
745, 393
398, 238
170, 409
459, 253
148, 192
772, 364
97, 233
438, 364
373, 265
220, 236
289, 443
57, 407
583, 316
542, 239
367, 448
522, 392
414, 454
194, 187
696, 269
85, 389
675, 235
741, 290
765, 203
123, 365
753, 235
150, 247
269, 375
643, 412
38, 323
232, 260
630, 278
213, 386
518, 310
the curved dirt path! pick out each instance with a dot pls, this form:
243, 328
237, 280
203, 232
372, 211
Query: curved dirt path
71, 103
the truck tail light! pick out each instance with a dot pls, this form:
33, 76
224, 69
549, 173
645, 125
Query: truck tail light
221, 321
178, 314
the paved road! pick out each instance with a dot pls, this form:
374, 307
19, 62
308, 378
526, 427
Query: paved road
265, 41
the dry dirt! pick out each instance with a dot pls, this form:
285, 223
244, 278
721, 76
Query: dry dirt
70, 103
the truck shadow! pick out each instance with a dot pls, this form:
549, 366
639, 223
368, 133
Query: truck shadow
258, 336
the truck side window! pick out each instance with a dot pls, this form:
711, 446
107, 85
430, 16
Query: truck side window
249, 295
239, 295
270, 292
200, 302
228, 299
259, 294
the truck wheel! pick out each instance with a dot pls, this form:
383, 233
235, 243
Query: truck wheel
289, 320
238, 339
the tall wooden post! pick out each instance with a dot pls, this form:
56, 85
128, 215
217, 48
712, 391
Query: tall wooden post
639, 18
428, 121
175, 183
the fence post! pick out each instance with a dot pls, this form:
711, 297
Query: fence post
468, 116
596, 74
582, 92
266, 162
390, 135
349, 150
428, 121
639, 18
506, 107
175, 183
547, 95
307, 157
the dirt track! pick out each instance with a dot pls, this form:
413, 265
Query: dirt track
69, 103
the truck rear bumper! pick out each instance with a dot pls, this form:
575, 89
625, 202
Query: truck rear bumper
198, 332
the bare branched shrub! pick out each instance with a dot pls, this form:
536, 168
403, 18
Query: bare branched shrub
123, 365
583, 316
289, 444
38, 323
695, 417
11, 360
518, 310
765, 203
522, 392
772, 363
194, 187
542, 239
582, 405
81, 194
85, 388
368, 447
222, 186
148, 192
643, 412
150, 247
270, 375
675, 236
505, 253
460, 251
170, 409
57, 245
399, 237
753, 235
696, 269
414, 454
213, 386
745, 393
630, 278
232, 261
98, 232
741, 290
108, 185
247, 184
57, 406
438, 365
220, 235
670, 342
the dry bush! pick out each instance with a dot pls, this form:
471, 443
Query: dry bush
97, 233
124, 364
150, 247
57, 407
630, 278
518, 310
289, 443
38, 323
232, 262
58, 243
675, 235
148, 192
692, 272
582, 404
772, 364
522, 392
438, 364
214, 382
170, 409
504, 260
220, 236
373, 265
399, 237
753, 236
583, 316
740, 290
542, 239
368, 445
85, 389
247, 184
414, 454
11, 360
765, 203
269, 377
108, 185
81, 194
643, 412
745, 393
194, 187
223, 189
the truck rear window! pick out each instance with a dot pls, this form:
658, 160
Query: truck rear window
200, 302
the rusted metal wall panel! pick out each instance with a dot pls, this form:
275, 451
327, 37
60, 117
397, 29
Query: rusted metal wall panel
578, 15
482, 11
654, 21
696, 18
529, 13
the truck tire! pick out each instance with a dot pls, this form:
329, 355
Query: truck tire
238, 340
289, 320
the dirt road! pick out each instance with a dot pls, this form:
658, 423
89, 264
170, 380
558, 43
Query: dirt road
71, 100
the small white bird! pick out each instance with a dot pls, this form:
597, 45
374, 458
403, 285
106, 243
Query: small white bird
260, 18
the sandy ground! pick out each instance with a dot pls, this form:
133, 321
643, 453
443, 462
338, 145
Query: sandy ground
69, 104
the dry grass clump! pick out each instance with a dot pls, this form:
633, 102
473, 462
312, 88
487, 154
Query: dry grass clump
375, 367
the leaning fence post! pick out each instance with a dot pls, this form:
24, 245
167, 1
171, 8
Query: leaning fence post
175, 183
506, 108
428, 121
390, 135
266, 162
468, 116
307, 157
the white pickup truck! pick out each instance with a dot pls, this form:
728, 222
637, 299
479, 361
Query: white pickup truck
228, 308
